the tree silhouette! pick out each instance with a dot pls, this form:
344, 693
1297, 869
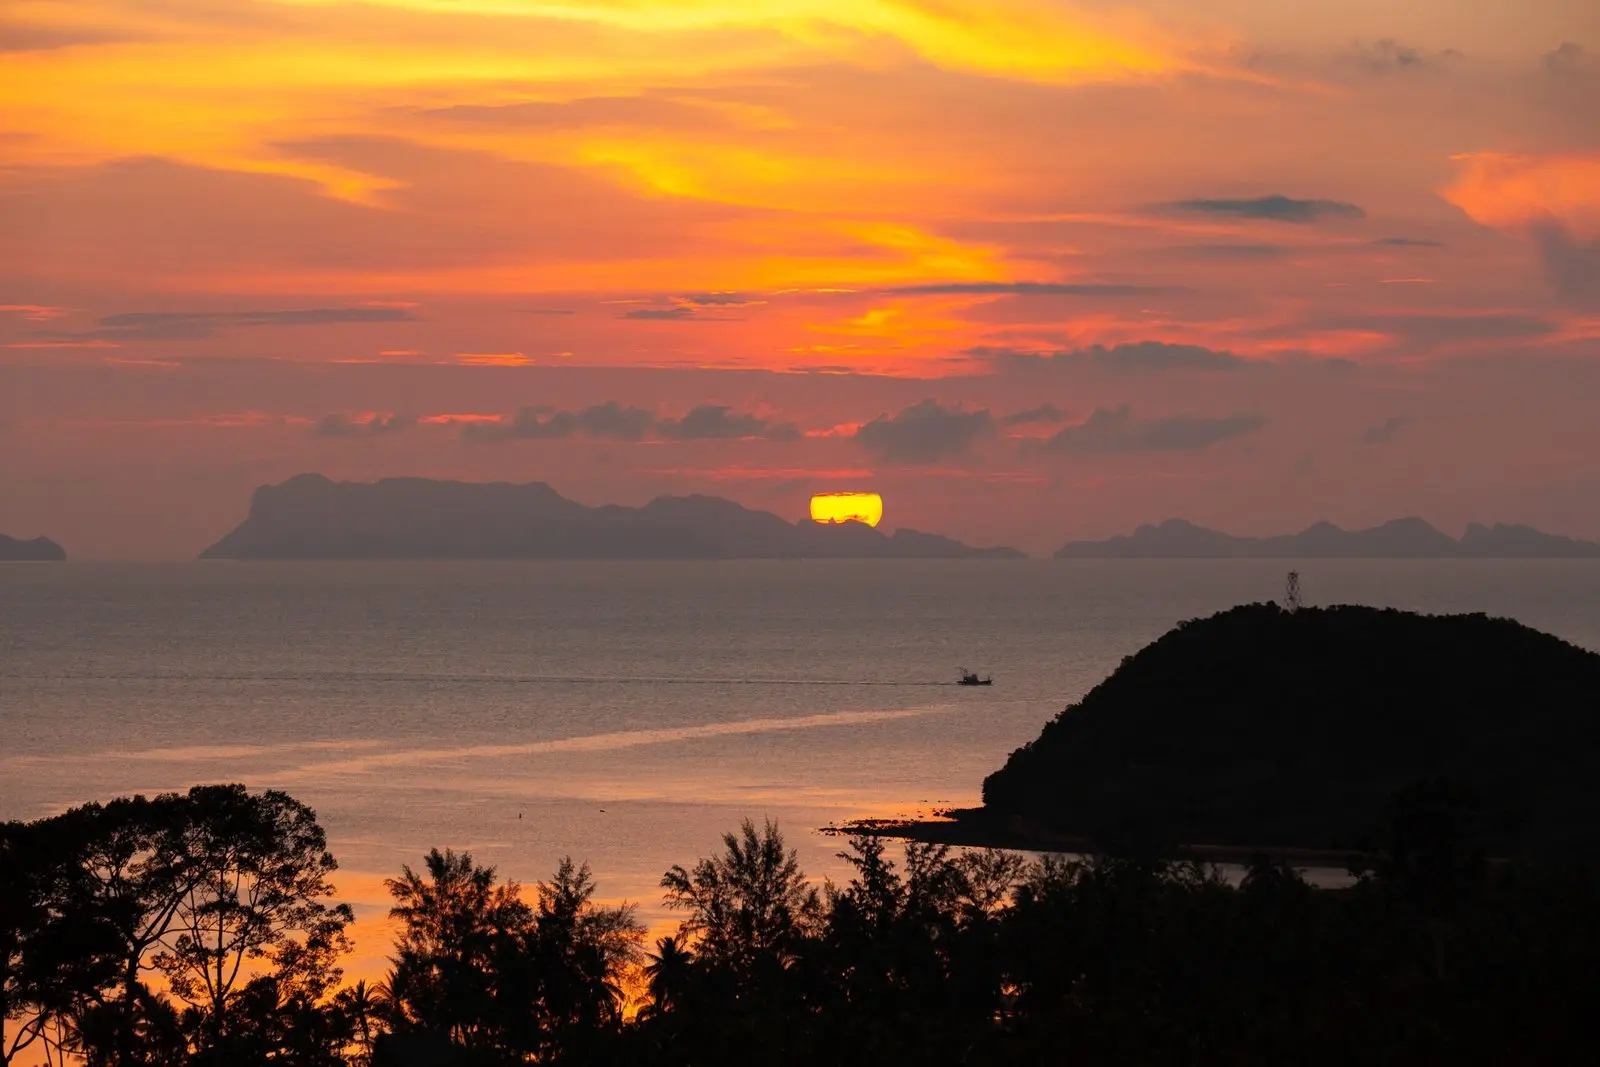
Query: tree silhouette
363, 1006
936, 957
1428, 844
458, 928
476, 965
668, 972
30, 993
203, 887
261, 902
590, 946
132, 875
748, 905
579, 951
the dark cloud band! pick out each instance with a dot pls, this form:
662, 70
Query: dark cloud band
1275, 208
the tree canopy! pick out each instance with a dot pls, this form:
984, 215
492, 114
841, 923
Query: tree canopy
220, 892
196, 930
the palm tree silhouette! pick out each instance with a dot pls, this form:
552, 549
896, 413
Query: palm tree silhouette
667, 973
364, 1006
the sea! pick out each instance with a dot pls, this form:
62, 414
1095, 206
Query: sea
625, 714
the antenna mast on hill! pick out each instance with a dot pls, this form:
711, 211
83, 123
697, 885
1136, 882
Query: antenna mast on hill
1291, 592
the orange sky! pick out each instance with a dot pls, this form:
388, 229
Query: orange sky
1030, 268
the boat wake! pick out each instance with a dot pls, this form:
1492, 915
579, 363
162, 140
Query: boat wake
605, 742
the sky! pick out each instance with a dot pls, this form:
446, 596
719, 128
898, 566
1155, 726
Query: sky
1033, 270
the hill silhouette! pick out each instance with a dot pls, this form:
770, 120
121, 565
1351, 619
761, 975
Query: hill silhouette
312, 517
38, 550
1410, 538
1263, 727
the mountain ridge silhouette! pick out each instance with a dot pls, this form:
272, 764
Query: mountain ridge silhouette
1406, 538
37, 550
310, 516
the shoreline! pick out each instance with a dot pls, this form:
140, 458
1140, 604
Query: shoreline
970, 828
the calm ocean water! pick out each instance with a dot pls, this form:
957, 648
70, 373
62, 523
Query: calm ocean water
623, 713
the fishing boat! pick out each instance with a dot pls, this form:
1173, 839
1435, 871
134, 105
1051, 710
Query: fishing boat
969, 678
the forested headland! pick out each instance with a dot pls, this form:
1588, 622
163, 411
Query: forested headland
1261, 726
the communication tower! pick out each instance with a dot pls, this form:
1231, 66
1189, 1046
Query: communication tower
1291, 592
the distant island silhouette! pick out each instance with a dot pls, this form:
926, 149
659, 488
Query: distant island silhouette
1261, 727
38, 550
312, 517
1409, 538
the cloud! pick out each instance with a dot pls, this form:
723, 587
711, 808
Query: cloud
721, 300
680, 313
1113, 431
926, 432
34, 312
831, 369
1571, 264
1160, 356
528, 424
1389, 56
23, 37
377, 425
1553, 200
1042, 413
1231, 252
1385, 431
609, 420
613, 420
1568, 60
710, 422
196, 325
687, 307
1024, 289
1275, 208
1407, 242
589, 112
1433, 331
1139, 356
1515, 191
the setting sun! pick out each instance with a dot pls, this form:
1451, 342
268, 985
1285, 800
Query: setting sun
847, 507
